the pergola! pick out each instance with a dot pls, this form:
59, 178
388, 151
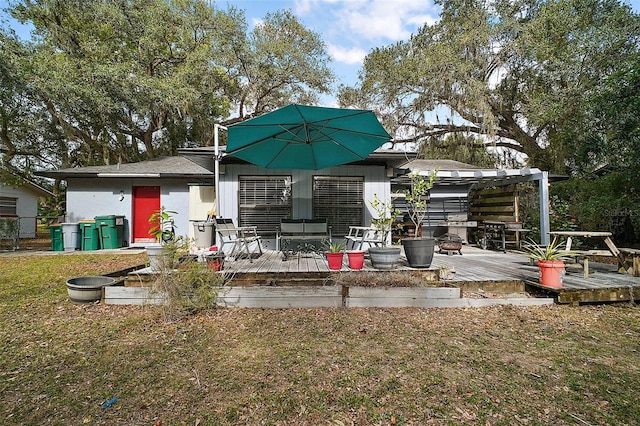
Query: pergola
454, 173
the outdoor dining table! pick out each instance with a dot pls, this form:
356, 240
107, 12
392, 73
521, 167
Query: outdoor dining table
604, 235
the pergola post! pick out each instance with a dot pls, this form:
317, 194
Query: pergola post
217, 158
543, 190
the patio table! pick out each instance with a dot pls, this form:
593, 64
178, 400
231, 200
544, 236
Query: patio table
604, 235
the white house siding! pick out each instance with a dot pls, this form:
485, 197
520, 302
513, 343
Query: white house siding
375, 182
88, 198
26, 208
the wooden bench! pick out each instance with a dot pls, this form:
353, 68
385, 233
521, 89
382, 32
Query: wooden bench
302, 235
584, 256
631, 263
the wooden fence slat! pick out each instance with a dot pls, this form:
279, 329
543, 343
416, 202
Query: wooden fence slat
282, 297
118, 295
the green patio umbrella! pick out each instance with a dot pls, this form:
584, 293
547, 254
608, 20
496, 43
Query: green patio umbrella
306, 137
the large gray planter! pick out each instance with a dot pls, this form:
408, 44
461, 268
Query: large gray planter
419, 251
384, 257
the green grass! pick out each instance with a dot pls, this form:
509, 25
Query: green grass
498, 366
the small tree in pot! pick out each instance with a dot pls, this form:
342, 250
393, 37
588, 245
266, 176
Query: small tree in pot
163, 231
419, 250
383, 257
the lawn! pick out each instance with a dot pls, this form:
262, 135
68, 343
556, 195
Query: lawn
60, 362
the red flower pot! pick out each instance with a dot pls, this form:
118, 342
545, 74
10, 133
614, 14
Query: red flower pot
335, 261
356, 259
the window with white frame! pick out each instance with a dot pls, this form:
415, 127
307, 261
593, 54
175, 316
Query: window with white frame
264, 201
340, 200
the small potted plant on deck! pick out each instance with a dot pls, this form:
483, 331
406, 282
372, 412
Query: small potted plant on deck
335, 254
419, 249
550, 260
383, 257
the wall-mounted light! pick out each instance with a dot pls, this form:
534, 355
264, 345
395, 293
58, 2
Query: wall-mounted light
121, 195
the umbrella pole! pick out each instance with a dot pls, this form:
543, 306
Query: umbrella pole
217, 157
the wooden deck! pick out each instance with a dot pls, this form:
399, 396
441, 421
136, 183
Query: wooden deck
475, 269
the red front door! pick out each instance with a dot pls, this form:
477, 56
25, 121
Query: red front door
146, 200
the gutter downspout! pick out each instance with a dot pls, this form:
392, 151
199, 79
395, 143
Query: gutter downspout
217, 157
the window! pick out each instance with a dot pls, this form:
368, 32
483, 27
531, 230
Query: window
8, 206
263, 201
340, 200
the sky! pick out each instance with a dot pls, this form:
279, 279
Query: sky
349, 28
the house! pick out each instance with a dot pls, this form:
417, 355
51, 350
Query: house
249, 194
19, 203
134, 191
252, 195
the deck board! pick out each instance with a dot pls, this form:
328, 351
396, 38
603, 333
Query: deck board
474, 269
481, 267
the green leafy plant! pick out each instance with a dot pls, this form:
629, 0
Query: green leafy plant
553, 251
162, 225
187, 285
10, 229
334, 247
417, 197
385, 215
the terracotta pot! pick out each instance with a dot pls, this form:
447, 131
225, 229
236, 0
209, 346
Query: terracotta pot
551, 273
335, 261
356, 259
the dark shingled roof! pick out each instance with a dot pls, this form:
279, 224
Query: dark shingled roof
160, 167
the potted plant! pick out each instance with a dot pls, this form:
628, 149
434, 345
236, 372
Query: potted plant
335, 254
162, 225
419, 249
214, 258
163, 231
383, 257
550, 260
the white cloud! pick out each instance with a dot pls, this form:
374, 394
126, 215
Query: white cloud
347, 55
369, 20
383, 20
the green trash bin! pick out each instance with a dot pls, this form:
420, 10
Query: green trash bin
55, 232
90, 235
111, 231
